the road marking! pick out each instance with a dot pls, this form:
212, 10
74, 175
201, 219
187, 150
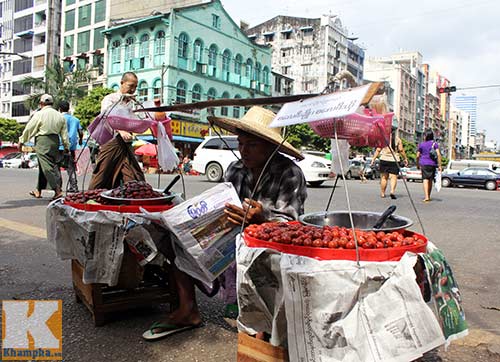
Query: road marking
23, 228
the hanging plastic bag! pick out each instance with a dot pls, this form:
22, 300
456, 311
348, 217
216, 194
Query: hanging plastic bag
342, 157
122, 118
437, 180
100, 130
167, 158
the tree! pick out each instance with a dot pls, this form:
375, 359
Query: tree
90, 106
57, 83
410, 150
302, 136
10, 130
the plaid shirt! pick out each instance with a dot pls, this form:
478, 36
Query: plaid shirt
282, 189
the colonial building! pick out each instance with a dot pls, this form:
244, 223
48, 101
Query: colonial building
309, 51
189, 54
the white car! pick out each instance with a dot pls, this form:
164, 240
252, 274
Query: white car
214, 154
30, 160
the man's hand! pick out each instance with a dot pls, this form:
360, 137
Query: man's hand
236, 214
127, 136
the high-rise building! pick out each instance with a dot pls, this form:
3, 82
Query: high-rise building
311, 51
468, 104
404, 73
29, 35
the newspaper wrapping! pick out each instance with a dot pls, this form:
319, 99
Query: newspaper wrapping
260, 293
337, 311
204, 240
95, 239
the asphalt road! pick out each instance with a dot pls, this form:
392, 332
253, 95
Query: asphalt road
462, 222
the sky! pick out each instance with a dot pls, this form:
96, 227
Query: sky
460, 39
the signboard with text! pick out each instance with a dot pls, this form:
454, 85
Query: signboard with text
326, 106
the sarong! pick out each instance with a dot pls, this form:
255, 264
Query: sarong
47, 151
115, 163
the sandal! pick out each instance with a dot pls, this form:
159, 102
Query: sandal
36, 194
167, 330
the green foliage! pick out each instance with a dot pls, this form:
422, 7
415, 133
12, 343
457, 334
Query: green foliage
302, 136
90, 106
58, 83
410, 150
444, 161
10, 130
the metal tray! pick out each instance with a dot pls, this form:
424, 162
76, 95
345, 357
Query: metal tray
151, 201
363, 220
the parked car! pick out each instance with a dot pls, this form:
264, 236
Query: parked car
456, 165
411, 173
316, 169
375, 168
9, 156
472, 176
355, 168
214, 154
22, 161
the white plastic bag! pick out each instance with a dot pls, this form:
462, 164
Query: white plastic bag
167, 158
437, 181
342, 157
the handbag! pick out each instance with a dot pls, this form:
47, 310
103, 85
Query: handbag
433, 153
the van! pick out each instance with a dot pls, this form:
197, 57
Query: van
456, 165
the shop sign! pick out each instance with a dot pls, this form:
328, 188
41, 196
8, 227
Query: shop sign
40, 319
189, 129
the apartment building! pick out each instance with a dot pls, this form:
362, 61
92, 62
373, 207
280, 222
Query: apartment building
29, 39
309, 50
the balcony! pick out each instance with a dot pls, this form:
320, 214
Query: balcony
40, 27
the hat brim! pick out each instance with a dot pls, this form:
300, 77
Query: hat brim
234, 125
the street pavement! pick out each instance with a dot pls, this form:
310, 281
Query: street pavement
462, 222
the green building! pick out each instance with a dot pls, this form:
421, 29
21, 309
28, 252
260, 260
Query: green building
190, 54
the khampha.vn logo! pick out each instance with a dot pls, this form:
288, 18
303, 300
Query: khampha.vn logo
31, 330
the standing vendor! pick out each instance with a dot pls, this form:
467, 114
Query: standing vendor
116, 161
280, 196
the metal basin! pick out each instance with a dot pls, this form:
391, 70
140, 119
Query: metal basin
363, 220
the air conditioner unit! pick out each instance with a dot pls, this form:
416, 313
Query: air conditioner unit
204, 68
262, 87
253, 84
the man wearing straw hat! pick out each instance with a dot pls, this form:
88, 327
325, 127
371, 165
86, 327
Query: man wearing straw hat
271, 187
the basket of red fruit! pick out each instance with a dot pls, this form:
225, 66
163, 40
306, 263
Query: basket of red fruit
334, 242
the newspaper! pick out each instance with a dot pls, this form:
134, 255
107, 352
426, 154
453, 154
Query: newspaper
337, 311
96, 239
260, 293
204, 238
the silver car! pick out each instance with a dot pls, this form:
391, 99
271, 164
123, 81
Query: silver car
355, 168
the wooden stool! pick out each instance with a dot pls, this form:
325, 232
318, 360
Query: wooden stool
102, 300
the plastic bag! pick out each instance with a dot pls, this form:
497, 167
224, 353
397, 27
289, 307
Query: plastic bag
437, 180
167, 158
100, 130
337, 158
123, 118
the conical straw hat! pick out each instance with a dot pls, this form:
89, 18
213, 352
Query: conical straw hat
256, 122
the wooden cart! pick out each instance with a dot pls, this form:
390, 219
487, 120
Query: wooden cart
103, 301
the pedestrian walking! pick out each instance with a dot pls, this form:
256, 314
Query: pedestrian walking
75, 135
362, 172
46, 126
428, 161
390, 156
